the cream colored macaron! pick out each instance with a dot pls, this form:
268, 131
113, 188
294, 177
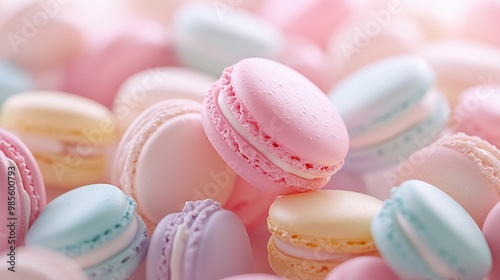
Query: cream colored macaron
313, 232
69, 135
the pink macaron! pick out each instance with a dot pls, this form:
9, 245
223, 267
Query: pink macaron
481, 20
99, 73
491, 229
23, 191
274, 127
477, 113
362, 268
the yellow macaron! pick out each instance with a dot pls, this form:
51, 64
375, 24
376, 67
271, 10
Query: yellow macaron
315, 231
70, 136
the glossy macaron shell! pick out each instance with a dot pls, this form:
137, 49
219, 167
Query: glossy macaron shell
423, 232
259, 116
215, 244
171, 129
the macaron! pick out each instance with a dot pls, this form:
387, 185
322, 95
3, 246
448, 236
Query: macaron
95, 225
124, 51
69, 135
476, 113
23, 192
479, 21
165, 159
252, 276
208, 39
490, 230
37, 36
203, 241
465, 167
389, 108
13, 79
362, 268
313, 232
276, 128
153, 85
39, 263
315, 19
423, 233
461, 64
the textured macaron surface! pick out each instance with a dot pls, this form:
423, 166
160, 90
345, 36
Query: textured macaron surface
422, 232
83, 219
278, 122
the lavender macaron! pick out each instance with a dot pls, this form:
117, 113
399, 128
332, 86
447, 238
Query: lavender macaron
203, 241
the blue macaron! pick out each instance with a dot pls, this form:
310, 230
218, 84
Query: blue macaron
390, 111
95, 225
424, 234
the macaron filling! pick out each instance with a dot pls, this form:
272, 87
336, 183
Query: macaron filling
109, 249
235, 124
316, 254
177, 255
427, 254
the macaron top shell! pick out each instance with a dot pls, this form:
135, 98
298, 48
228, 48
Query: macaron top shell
291, 109
82, 219
325, 217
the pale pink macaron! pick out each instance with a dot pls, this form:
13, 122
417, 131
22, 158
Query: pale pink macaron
362, 268
165, 159
460, 64
315, 19
465, 167
129, 49
153, 85
478, 113
37, 37
38, 263
491, 229
274, 127
481, 22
